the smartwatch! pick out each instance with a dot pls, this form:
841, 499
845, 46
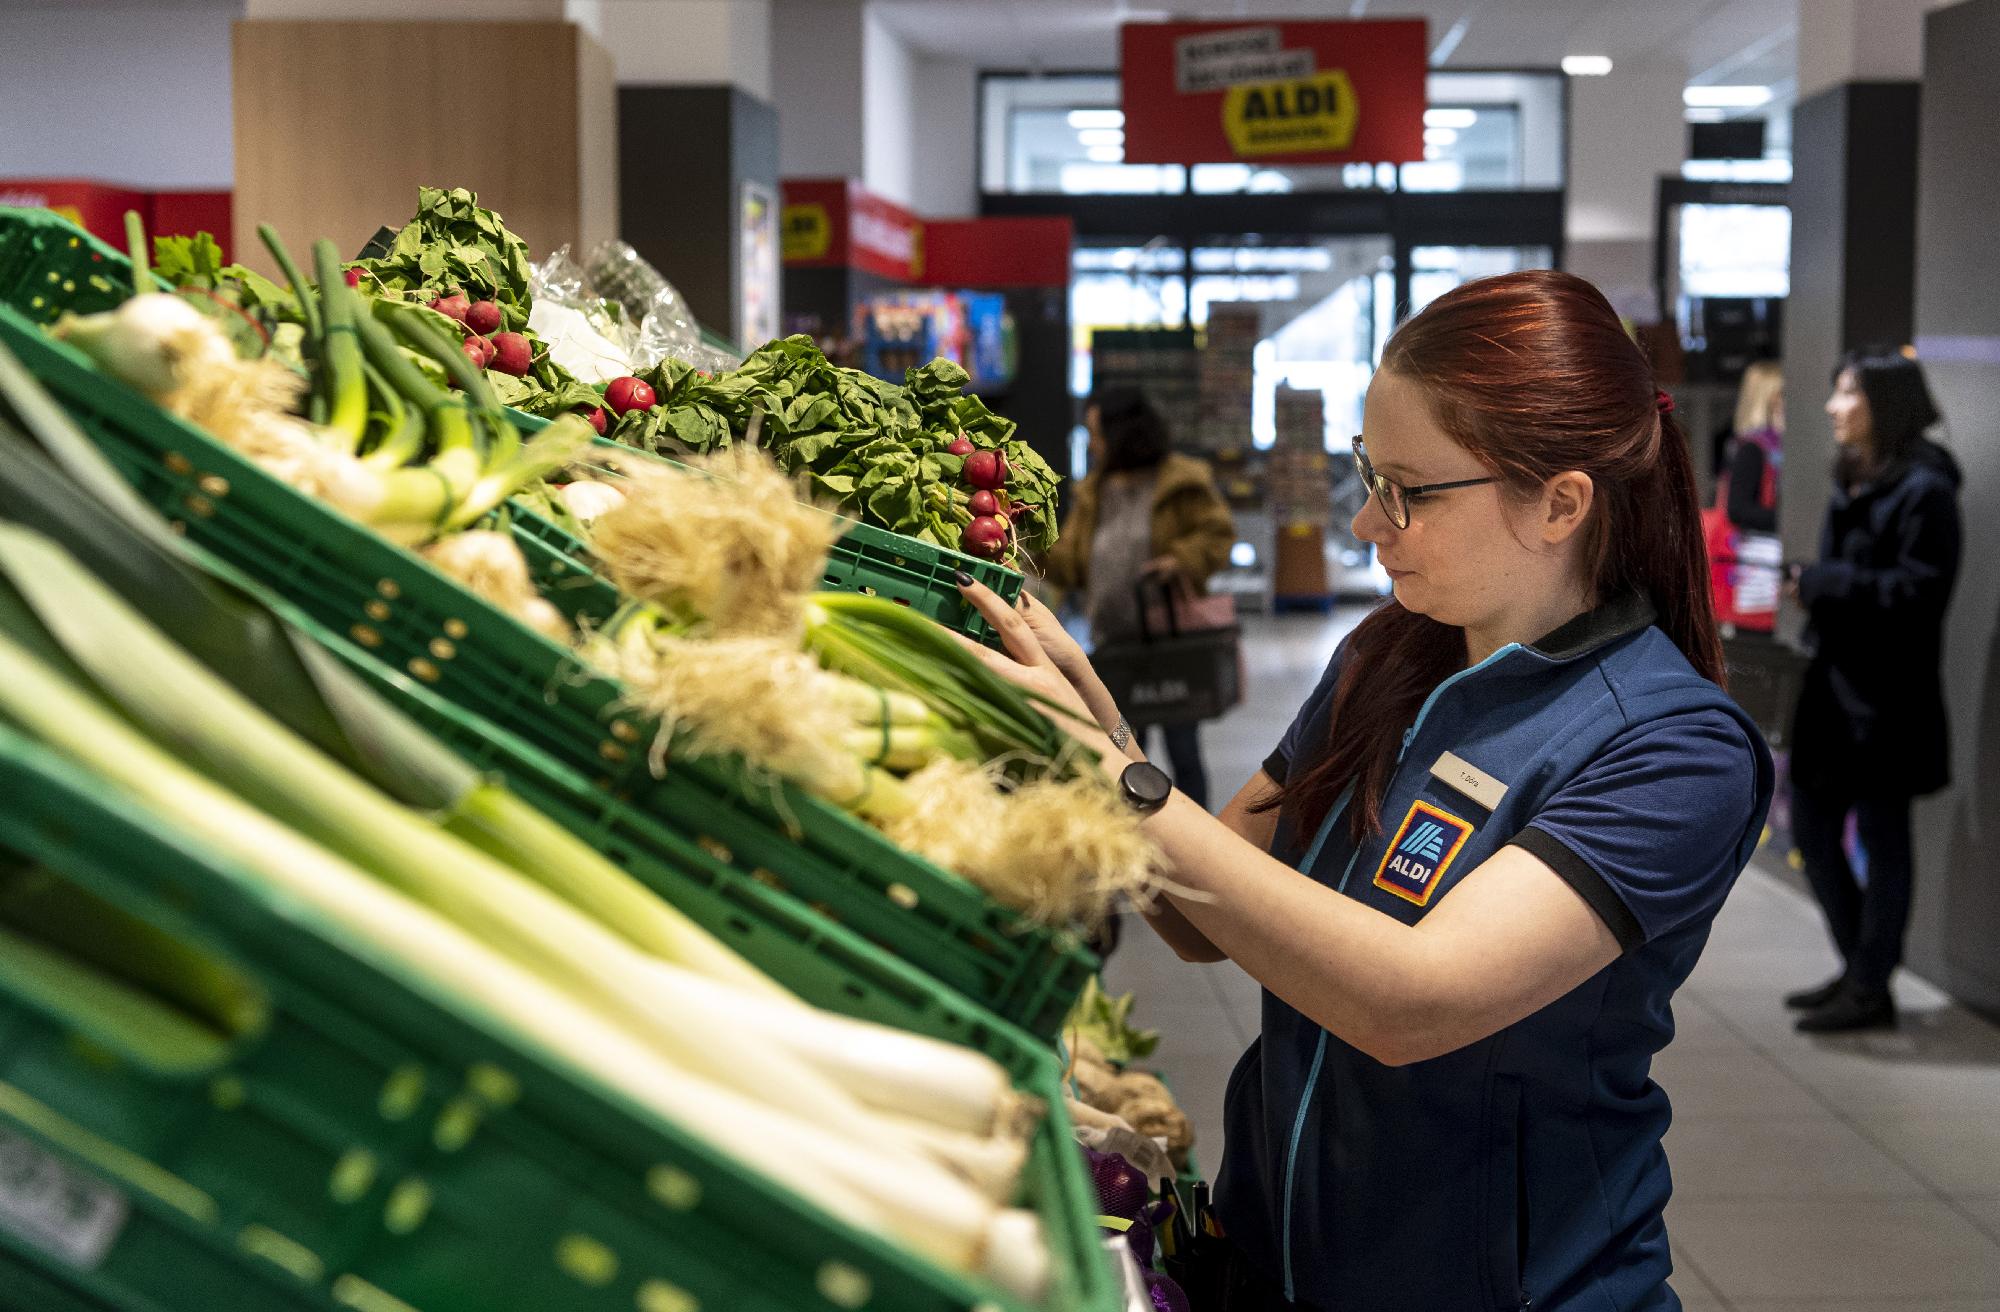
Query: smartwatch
1145, 787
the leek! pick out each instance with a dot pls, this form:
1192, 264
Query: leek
341, 375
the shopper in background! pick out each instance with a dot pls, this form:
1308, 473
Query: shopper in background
1870, 732
1750, 497
1142, 514
1487, 851
1741, 528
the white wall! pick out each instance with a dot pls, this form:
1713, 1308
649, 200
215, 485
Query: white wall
1860, 41
699, 42
888, 92
539, 11
1626, 130
133, 94
816, 53
944, 179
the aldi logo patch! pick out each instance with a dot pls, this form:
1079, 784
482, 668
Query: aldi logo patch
1421, 852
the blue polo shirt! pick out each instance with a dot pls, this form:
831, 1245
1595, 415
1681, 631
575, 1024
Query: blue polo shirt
1525, 1169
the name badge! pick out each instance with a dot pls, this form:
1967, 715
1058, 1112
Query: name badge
1468, 779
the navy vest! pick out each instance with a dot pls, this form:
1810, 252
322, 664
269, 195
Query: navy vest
1523, 1170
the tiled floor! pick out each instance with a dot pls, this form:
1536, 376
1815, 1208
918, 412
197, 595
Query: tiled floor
1840, 1173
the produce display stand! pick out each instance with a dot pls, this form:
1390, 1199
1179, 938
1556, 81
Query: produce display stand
369, 1149
399, 615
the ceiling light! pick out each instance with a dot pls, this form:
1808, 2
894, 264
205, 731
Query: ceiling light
1586, 65
1433, 152
1450, 117
1705, 114
1106, 154
1102, 136
1726, 97
1440, 136
1097, 118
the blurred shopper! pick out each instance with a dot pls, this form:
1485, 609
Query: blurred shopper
1487, 852
1870, 734
1143, 514
1741, 528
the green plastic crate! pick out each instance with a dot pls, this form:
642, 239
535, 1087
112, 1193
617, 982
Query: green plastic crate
404, 616
49, 265
371, 1140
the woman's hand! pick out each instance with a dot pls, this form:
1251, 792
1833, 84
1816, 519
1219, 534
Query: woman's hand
1043, 659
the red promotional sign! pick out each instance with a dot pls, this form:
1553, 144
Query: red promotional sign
1324, 92
999, 252
835, 222
99, 208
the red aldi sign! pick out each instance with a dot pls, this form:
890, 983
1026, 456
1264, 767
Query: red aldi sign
1323, 92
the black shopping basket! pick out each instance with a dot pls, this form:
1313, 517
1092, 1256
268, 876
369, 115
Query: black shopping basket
1182, 676
1765, 674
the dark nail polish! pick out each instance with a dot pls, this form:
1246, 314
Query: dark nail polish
964, 579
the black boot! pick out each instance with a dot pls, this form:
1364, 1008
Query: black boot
1852, 1010
1814, 999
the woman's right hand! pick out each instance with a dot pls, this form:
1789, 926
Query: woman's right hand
1067, 656
1055, 639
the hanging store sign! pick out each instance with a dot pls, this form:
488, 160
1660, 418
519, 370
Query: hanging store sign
836, 223
1325, 92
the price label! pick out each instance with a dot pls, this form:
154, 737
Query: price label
55, 1207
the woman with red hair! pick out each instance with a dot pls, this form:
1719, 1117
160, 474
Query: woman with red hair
1487, 851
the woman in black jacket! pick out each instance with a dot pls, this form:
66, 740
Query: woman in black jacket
1870, 732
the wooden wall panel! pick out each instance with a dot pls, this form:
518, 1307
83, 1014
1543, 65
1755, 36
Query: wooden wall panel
337, 125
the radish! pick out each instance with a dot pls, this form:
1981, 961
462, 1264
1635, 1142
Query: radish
628, 394
987, 469
453, 306
482, 317
512, 354
986, 536
354, 277
962, 447
984, 503
480, 351
598, 419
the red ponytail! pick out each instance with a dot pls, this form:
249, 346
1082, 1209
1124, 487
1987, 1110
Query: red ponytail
1533, 374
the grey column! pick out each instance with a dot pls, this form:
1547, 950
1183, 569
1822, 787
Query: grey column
1955, 937
1854, 208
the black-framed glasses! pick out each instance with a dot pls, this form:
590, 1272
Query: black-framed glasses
1395, 498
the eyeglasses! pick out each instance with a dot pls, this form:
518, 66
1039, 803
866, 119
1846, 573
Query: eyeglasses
1396, 498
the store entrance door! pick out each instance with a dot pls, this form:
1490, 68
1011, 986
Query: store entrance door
1259, 351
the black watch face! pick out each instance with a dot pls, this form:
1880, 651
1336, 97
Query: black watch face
1146, 786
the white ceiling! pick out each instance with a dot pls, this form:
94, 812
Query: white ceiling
1714, 41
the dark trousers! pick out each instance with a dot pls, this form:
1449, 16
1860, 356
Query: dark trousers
1867, 923
1184, 759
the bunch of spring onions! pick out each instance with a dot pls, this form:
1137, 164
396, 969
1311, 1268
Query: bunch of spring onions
369, 431
506, 916
861, 701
